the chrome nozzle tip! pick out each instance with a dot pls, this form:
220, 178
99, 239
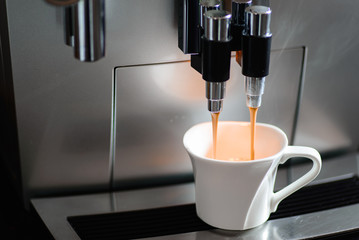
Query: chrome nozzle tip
215, 92
254, 101
254, 88
215, 106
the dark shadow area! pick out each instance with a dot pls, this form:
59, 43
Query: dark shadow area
16, 222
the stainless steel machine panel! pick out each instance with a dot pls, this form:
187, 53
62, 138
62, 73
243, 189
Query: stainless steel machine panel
156, 104
328, 118
128, 111
63, 106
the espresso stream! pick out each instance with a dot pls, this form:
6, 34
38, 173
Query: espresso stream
214, 133
253, 118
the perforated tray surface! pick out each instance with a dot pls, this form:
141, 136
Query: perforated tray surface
182, 219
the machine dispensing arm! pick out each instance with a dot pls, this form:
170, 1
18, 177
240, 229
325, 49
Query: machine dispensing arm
256, 53
216, 56
210, 36
204, 33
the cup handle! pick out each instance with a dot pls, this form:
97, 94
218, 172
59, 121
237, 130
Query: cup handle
297, 151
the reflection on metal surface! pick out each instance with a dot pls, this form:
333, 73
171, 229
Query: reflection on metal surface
89, 30
298, 227
173, 81
55, 217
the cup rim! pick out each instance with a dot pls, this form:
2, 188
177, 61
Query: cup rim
269, 158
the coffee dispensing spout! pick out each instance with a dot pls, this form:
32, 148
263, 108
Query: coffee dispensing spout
204, 33
256, 53
216, 57
210, 34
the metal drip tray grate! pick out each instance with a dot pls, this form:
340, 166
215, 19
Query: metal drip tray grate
182, 219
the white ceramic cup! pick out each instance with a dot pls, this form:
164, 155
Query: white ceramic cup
238, 195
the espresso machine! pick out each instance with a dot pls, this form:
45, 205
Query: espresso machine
97, 94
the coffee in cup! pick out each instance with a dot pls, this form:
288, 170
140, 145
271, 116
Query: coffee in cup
231, 191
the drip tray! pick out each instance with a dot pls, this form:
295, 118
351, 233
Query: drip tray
183, 219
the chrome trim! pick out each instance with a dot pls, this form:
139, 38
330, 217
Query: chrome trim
215, 92
254, 88
207, 5
89, 30
112, 157
216, 25
258, 18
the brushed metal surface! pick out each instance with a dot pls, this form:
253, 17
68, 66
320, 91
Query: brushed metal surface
156, 104
63, 107
298, 227
307, 226
331, 168
326, 120
55, 217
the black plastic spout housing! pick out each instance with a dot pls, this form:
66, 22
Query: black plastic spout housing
256, 53
256, 56
256, 42
216, 46
216, 60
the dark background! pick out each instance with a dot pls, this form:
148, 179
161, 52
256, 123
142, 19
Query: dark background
15, 221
